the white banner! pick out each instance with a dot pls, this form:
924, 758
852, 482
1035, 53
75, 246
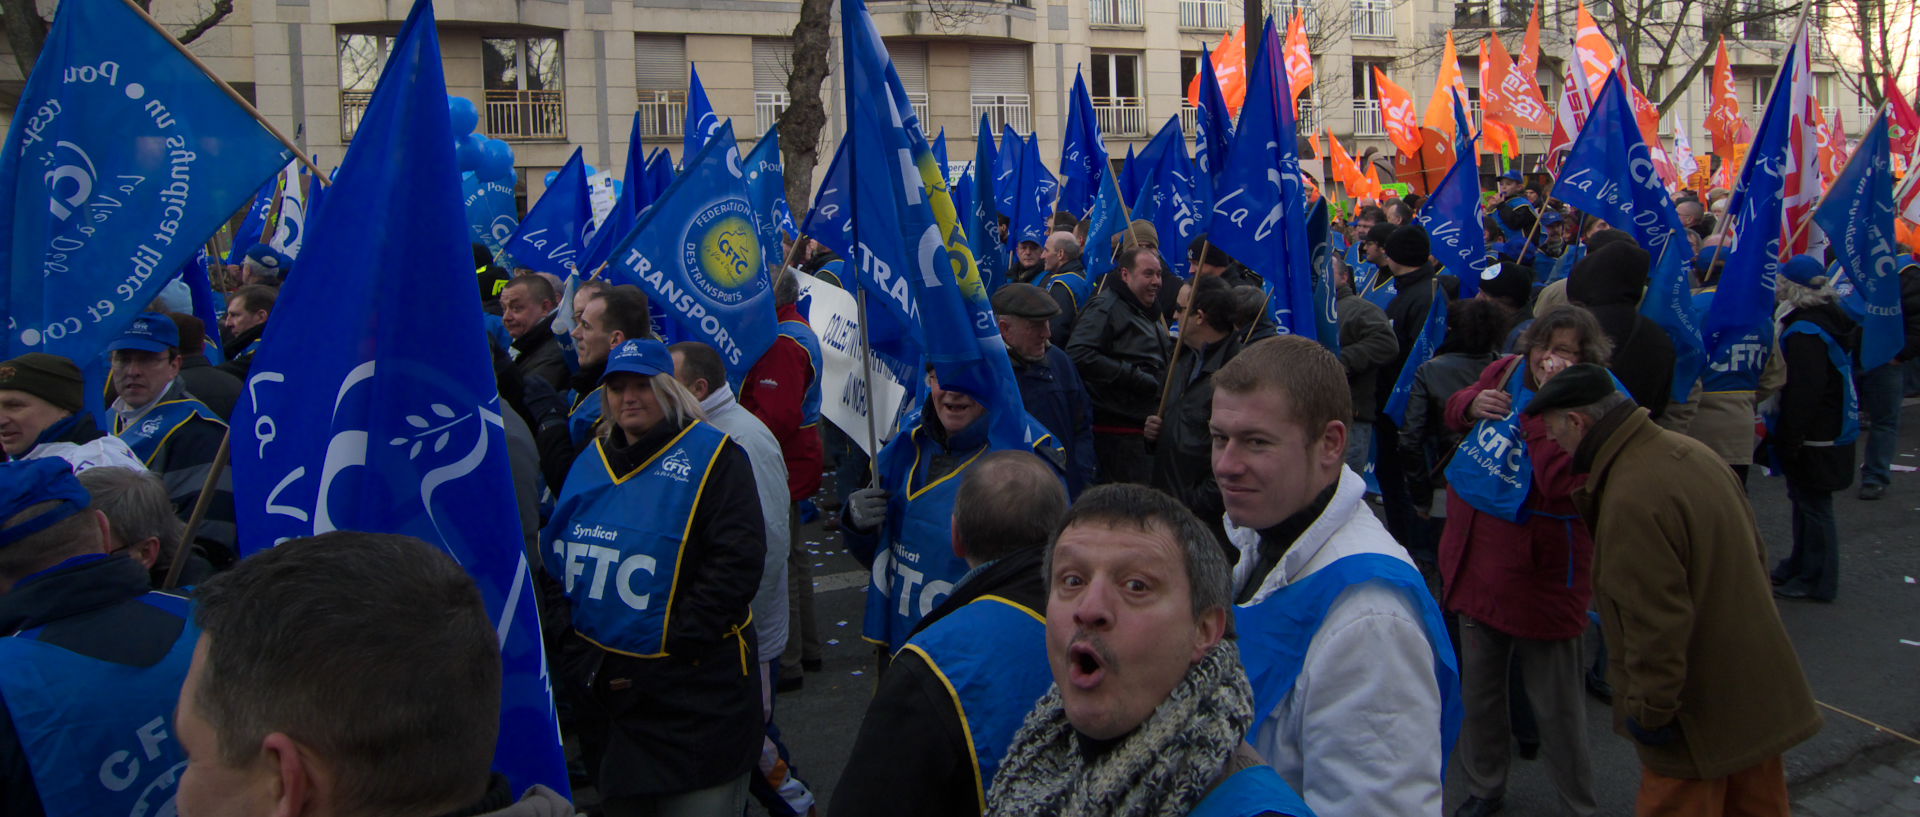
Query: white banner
835, 318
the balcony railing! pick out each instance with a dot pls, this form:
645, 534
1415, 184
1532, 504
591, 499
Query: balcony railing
1189, 118
1115, 12
1001, 110
1366, 118
1207, 14
526, 114
921, 111
1282, 12
662, 113
1308, 120
1373, 18
353, 108
1121, 115
767, 107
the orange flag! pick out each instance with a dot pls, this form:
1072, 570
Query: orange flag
1229, 67
1509, 95
1724, 121
1528, 64
1313, 143
1344, 170
1648, 117
1396, 113
1440, 108
1298, 59
1594, 53
1832, 139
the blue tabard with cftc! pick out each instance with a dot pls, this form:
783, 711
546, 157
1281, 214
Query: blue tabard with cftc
124, 761
917, 569
618, 551
1075, 282
992, 654
146, 437
804, 335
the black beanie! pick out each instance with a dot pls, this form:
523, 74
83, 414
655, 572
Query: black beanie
1408, 246
1379, 234
49, 377
1508, 279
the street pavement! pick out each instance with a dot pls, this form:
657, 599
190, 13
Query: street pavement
1852, 651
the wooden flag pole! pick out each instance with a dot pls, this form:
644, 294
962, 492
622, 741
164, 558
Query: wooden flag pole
200, 503
232, 94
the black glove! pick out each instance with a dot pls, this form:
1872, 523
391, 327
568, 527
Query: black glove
867, 509
1654, 737
543, 403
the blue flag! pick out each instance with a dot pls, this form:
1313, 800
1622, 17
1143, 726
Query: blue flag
553, 236
767, 189
1083, 153
698, 253
830, 222
1006, 170
207, 306
490, 208
1451, 215
397, 427
1033, 195
254, 224
1857, 216
122, 158
1107, 220
1213, 123
989, 248
1129, 177
1167, 196
1259, 205
940, 151
1609, 174
659, 177
634, 195
701, 122
1432, 334
1326, 294
1745, 295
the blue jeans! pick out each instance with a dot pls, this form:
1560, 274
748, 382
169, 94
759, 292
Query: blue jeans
1880, 393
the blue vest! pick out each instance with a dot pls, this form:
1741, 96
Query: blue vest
1843, 363
1076, 283
148, 436
1382, 293
803, 335
1250, 793
586, 412
96, 732
1737, 367
916, 568
618, 551
1275, 633
1363, 270
992, 656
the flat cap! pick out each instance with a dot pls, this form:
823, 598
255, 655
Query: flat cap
1018, 300
1578, 385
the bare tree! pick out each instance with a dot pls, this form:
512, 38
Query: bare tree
27, 29
1881, 32
806, 116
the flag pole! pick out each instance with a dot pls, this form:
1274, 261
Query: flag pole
866, 372
232, 94
200, 503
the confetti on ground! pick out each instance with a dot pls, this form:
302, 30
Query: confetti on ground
1904, 468
1910, 580
858, 672
833, 642
841, 624
1910, 643
819, 564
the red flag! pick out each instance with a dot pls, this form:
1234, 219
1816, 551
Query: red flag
1832, 139
1575, 103
1724, 121
1396, 112
1903, 125
1802, 188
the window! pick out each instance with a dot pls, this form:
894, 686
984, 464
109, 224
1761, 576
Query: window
1514, 13
910, 60
1471, 14
772, 61
1000, 83
1203, 14
1366, 99
1373, 19
524, 96
1282, 13
660, 83
1114, 12
1189, 69
1762, 28
1115, 86
362, 57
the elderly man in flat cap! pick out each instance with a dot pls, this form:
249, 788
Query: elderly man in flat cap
1680, 575
1049, 384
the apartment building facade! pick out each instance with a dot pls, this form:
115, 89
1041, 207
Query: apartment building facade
553, 75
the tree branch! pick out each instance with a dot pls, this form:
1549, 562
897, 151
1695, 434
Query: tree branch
220, 10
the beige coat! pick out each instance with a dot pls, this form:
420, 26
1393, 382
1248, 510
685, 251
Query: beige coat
1692, 632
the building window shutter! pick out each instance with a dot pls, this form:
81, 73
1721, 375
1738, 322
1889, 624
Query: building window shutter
659, 62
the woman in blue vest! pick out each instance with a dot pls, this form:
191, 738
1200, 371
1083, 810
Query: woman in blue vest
1814, 430
657, 539
1516, 563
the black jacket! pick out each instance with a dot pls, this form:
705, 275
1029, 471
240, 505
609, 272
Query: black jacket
912, 754
1063, 297
551, 431
1425, 441
183, 462
89, 606
1183, 453
537, 354
239, 360
692, 719
1643, 355
1053, 394
217, 388
1121, 349
1017, 274
1413, 298
1367, 343
1811, 401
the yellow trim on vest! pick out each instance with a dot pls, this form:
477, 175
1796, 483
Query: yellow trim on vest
913, 494
600, 446
666, 622
1014, 604
966, 730
162, 445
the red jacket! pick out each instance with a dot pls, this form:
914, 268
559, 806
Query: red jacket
775, 389
1533, 579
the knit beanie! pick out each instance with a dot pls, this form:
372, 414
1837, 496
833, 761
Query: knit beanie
1408, 246
49, 377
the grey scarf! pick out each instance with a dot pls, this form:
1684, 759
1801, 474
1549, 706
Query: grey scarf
1165, 767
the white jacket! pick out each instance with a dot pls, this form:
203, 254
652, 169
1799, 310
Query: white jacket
770, 478
105, 451
1360, 732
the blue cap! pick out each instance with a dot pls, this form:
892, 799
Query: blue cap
270, 259
1802, 269
1511, 176
1551, 217
26, 483
150, 332
642, 357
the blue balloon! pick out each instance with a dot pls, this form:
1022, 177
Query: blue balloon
496, 164
592, 171
551, 175
465, 116
470, 151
